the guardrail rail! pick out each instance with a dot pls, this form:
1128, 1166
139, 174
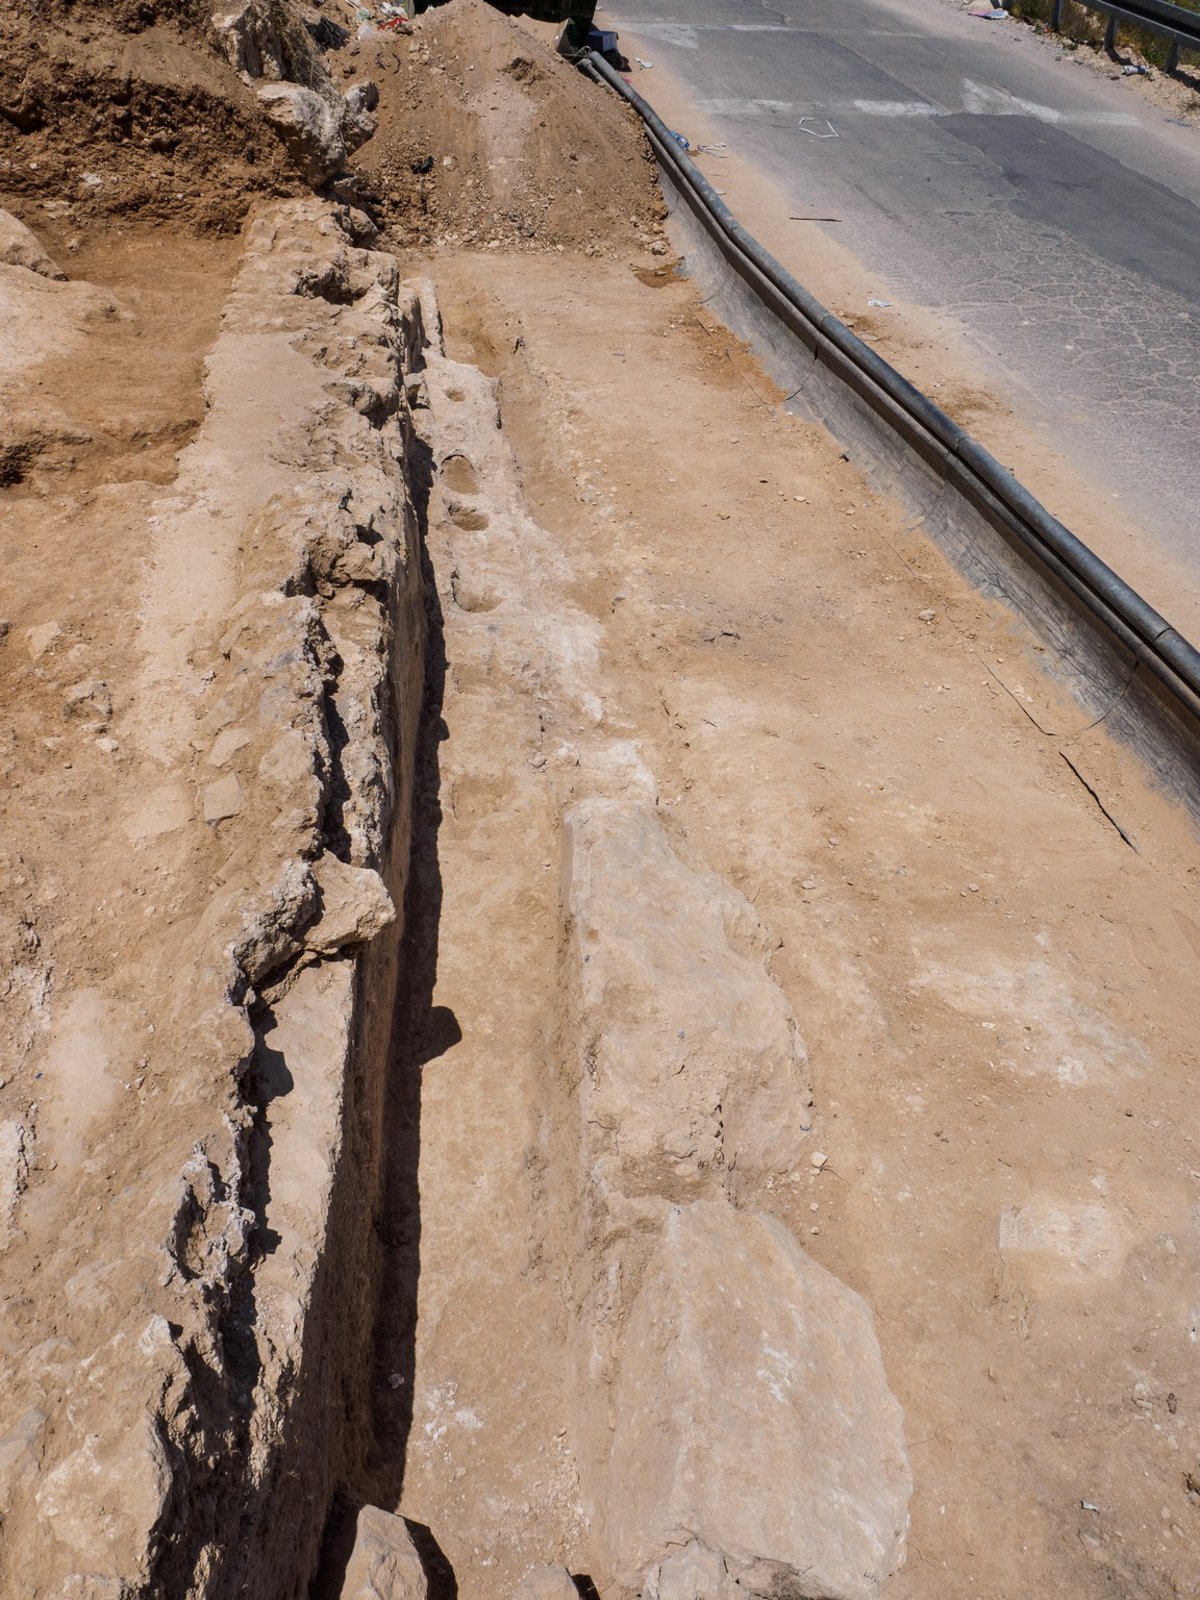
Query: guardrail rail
1179, 27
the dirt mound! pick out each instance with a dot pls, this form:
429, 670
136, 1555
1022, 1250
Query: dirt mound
151, 109
519, 148
129, 108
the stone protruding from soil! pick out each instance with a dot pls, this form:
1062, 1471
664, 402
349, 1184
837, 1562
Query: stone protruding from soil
204, 1116
753, 1413
319, 130
384, 1564
20, 247
266, 39
547, 1583
689, 1070
736, 1435
355, 906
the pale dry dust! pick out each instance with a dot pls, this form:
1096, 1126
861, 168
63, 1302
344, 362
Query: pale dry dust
92, 429
991, 982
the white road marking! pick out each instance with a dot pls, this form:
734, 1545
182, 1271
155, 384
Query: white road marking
657, 29
676, 33
981, 101
746, 108
977, 101
896, 108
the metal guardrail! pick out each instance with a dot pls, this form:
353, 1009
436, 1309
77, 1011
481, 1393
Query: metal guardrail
1120, 615
1181, 28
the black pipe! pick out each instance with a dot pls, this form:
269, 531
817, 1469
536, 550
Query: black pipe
1121, 612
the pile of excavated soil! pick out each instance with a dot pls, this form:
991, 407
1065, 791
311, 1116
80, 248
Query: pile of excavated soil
521, 149
115, 109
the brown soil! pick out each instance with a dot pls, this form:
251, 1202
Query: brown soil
122, 110
525, 152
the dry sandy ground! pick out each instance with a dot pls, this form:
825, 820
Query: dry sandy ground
992, 984
97, 398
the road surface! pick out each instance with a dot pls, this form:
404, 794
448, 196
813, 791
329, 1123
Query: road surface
1054, 213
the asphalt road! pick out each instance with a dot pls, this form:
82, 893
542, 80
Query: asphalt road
1055, 214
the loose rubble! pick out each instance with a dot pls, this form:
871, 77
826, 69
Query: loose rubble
383, 1564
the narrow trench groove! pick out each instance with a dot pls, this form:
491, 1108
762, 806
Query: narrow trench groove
421, 1033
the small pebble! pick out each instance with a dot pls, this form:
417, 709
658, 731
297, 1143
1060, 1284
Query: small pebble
818, 1159
926, 616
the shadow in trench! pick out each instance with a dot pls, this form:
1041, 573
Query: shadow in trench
421, 1032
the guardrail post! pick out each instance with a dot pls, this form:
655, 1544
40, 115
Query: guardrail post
1172, 58
1056, 15
1110, 34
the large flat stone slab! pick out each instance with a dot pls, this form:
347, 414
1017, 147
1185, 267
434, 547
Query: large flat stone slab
753, 1421
692, 1070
